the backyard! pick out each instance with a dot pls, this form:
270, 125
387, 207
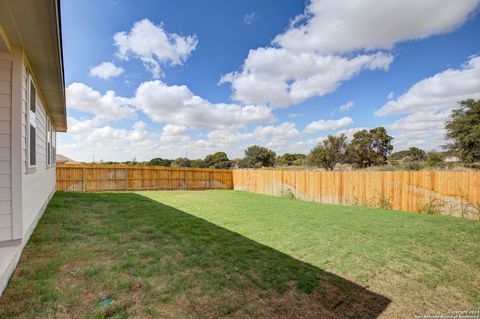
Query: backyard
179, 254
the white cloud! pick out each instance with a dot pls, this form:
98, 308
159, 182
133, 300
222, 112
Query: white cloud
249, 18
234, 141
310, 143
421, 129
154, 46
119, 144
108, 106
331, 26
176, 104
324, 125
428, 104
281, 78
277, 137
78, 126
421, 122
320, 49
227, 139
347, 106
441, 91
228, 135
106, 70
170, 129
114, 144
174, 134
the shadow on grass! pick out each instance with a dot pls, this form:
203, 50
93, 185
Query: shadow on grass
184, 264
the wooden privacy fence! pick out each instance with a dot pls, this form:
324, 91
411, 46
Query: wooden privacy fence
434, 192
97, 178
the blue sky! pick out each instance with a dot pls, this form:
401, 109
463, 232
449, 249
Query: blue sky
168, 78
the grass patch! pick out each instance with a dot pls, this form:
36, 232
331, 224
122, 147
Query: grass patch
235, 254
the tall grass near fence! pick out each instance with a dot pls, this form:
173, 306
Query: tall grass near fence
430, 192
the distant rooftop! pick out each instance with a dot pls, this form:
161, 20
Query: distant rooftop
62, 159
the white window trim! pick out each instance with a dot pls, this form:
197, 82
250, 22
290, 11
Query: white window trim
53, 151
30, 168
48, 144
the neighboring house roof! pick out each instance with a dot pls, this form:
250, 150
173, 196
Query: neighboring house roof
34, 26
452, 159
397, 160
63, 159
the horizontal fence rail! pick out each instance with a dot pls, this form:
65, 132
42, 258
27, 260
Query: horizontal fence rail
433, 192
98, 178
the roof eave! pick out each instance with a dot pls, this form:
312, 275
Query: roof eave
35, 26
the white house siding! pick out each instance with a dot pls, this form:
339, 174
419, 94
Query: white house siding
24, 193
38, 184
5, 150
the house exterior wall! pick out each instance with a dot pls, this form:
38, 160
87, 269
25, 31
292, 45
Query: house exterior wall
30, 39
38, 183
6, 63
24, 190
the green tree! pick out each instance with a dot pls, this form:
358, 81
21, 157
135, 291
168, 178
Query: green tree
158, 161
399, 155
369, 147
240, 163
328, 153
417, 154
412, 154
182, 162
289, 159
218, 160
463, 130
281, 161
434, 158
258, 156
198, 163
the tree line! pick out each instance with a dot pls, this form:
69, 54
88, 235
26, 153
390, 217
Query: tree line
367, 148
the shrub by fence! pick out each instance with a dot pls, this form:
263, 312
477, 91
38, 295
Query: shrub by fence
97, 178
432, 192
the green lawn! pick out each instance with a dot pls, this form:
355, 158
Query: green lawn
233, 254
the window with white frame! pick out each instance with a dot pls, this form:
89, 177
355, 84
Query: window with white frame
54, 146
49, 142
32, 126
